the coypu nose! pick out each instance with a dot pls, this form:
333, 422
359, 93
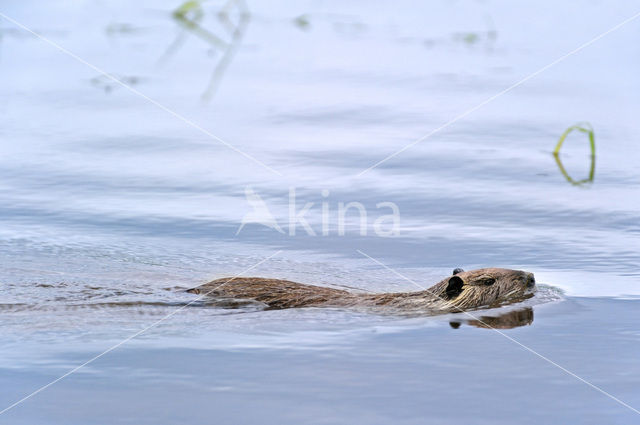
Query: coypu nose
531, 281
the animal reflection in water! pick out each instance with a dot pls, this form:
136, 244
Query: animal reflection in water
460, 292
509, 320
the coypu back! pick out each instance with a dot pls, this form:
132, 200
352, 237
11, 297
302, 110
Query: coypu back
488, 287
274, 293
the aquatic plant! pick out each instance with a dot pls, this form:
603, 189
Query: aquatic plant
186, 7
302, 22
190, 14
583, 128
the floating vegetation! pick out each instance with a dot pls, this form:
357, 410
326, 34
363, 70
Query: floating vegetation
302, 22
115, 29
108, 85
188, 6
20, 33
467, 38
346, 25
470, 39
583, 128
190, 16
473, 38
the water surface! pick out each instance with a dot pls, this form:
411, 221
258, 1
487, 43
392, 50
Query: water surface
111, 205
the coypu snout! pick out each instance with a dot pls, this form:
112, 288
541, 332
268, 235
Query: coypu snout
531, 280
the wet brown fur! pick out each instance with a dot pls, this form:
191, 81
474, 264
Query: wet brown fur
489, 287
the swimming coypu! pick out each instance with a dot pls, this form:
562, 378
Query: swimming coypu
490, 287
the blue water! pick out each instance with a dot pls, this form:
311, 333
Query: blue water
110, 205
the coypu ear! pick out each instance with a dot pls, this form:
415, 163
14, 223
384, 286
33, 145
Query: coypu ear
454, 287
457, 270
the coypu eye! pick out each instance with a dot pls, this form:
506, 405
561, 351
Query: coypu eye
457, 270
454, 287
486, 280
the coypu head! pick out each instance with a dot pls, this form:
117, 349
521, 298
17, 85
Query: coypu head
484, 287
